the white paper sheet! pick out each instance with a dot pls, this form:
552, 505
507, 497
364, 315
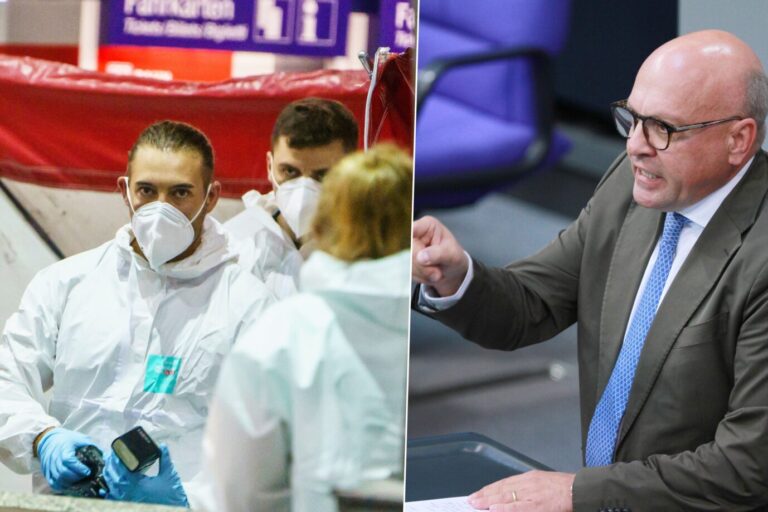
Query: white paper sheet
457, 504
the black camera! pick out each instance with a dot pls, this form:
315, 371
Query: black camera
135, 449
94, 485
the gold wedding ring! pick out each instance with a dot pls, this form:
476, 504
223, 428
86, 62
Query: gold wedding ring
514, 496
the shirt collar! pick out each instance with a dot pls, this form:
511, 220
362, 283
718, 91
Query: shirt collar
702, 212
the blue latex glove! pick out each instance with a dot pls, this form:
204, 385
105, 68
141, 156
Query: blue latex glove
163, 489
56, 451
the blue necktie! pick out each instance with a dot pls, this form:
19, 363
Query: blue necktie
604, 428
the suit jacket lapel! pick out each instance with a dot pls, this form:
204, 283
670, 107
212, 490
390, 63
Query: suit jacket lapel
634, 246
701, 270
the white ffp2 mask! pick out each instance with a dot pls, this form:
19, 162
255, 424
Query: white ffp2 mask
297, 200
162, 230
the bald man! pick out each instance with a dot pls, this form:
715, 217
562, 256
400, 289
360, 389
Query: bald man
666, 273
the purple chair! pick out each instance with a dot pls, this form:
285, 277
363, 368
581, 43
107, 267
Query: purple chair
484, 98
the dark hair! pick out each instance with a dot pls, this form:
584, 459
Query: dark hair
312, 122
176, 136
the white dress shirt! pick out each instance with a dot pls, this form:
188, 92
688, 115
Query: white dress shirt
699, 215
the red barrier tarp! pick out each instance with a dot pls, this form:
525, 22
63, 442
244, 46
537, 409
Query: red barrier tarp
65, 127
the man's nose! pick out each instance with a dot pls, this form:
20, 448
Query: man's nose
637, 143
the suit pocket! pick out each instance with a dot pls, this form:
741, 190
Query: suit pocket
692, 390
708, 331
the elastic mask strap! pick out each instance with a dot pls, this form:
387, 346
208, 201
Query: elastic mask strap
271, 176
207, 192
128, 194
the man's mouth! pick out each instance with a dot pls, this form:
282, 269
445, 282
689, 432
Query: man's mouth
647, 175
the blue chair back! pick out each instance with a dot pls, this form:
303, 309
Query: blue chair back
497, 98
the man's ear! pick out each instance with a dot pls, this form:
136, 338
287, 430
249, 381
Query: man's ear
741, 138
213, 197
122, 186
270, 162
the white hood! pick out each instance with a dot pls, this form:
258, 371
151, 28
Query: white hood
376, 282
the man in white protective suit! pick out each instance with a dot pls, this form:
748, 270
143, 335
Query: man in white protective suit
132, 333
309, 136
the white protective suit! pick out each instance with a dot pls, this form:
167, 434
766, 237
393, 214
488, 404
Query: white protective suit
312, 398
91, 325
266, 249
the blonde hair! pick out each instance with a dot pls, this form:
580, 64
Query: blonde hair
365, 205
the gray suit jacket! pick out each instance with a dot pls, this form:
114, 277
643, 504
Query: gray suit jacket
695, 431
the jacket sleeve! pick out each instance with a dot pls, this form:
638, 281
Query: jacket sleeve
728, 473
530, 300
526, 302
27, 353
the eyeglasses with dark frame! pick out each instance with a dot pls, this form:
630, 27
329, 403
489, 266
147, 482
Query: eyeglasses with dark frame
658, 133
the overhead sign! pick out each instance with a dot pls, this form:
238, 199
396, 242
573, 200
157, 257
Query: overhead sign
298, 27
397, 20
